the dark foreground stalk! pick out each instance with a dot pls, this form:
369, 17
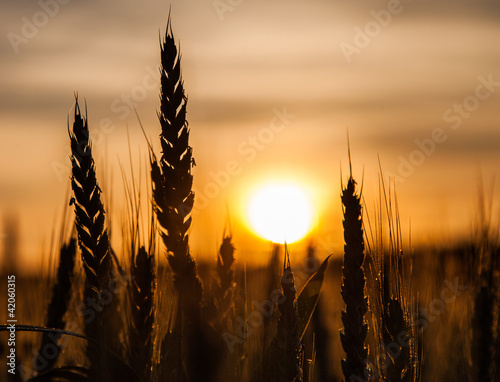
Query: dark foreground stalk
353, 335
94, 245
188, 352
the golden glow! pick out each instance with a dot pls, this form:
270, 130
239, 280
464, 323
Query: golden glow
280, 212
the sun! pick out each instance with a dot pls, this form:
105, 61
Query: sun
280, 212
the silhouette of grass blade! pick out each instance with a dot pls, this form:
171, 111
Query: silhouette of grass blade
309, 296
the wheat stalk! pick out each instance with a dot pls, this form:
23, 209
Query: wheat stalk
171, 177
61, 295
224, 289
486, 297
285, 360
395, 329
92, 236
353, 335
399, 334
142, 285
393, 307
141, 306
320, 333
483, 327
225, 261
92, 239
191, 340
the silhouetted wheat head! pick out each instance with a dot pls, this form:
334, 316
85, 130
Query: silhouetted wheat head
218, 304
285, 362
92, 236
189, 348
353, 335
92, 239
399, 334
142, 316
171, 177
140, 248
395, 330
393, 304
225, 261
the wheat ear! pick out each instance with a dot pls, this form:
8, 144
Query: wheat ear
285, 362
141, 307
172, 178
191, 341
92, 236
224, 289
353, 334
225, 261
92, 239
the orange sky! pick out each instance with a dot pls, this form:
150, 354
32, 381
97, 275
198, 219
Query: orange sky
394, 74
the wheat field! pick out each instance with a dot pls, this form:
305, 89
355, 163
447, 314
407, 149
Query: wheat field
382, 310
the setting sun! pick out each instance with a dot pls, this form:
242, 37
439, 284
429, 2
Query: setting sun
280, 212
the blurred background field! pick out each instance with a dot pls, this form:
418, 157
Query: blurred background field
447, 332
238, 67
